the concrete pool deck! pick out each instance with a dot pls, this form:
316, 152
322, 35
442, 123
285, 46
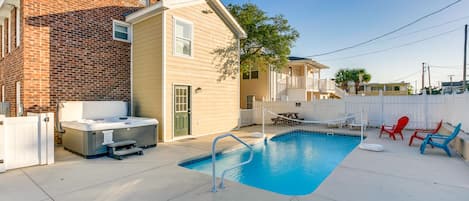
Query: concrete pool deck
399, 173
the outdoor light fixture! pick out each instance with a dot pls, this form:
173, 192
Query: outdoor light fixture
198, 90
207, 11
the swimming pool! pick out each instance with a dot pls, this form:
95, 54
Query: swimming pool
294, 163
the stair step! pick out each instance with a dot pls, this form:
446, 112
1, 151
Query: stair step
128, 151
122, 143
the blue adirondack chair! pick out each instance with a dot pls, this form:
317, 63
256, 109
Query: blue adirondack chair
430, 139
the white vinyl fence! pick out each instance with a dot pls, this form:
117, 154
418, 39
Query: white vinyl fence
246, 117
424, 111
26, 141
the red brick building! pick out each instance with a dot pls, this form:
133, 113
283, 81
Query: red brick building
64, 50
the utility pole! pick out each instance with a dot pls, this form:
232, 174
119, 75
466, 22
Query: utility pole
465, 56
451, 80
429, 81
423, 76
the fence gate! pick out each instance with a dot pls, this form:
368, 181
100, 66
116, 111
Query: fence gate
21, 143
26, 141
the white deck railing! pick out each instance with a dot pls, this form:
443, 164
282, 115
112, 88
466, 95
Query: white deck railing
309, 83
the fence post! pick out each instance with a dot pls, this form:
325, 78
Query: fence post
382, 106
263, 119
426, 109
239, 119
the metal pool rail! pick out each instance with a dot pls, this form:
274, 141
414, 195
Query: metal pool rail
214, 143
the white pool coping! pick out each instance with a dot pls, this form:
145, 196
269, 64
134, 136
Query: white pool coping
398, 173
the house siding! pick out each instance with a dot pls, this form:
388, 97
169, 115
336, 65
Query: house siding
215, 108
255, 87
147, 69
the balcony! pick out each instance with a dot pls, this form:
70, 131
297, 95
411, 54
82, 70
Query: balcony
311, 84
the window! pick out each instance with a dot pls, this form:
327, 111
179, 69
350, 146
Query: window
9, 34
18, 26
120, 31
397, 88
183, 33
249, 102
3, 40
252, 74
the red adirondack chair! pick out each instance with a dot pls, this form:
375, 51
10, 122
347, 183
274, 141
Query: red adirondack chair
425, 132
395, 129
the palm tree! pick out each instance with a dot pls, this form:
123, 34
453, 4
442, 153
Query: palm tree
342, 77
356, 75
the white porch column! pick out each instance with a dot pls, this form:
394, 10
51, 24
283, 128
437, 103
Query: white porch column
305, 76
319, 80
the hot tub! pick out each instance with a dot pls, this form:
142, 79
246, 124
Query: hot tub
90, 125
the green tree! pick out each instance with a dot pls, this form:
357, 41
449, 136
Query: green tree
269, 38
356, 75
410, 90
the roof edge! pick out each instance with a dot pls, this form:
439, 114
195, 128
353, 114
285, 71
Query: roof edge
143, 13
155, 9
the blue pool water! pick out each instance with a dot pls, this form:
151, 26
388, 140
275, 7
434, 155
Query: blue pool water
291, 164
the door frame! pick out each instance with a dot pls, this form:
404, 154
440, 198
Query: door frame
173, 111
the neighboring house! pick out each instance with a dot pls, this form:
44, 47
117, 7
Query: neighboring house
55, 51
388, 89
299, 81
453, 87
178, 50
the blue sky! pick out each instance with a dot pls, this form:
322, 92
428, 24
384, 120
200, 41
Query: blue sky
326, 25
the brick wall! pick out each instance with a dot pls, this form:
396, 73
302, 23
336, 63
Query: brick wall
70, 54
11, 65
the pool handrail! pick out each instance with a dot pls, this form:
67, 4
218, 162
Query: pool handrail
214, 143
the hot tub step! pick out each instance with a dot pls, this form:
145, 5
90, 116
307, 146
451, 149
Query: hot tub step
122, 143
118, 154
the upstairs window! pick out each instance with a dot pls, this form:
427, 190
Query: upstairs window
120, 31
252, 74
9, 34
183, 33
3, 40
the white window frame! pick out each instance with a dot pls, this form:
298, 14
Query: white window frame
18, 26
121, 23
175, 20
3, 39
9, 33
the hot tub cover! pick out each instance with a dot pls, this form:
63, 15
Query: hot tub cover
108, 123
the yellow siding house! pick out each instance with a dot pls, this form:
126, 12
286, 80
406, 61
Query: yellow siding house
179, 48
300, 80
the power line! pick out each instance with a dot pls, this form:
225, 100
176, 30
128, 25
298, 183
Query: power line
429, 27
394, 47
388, 33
